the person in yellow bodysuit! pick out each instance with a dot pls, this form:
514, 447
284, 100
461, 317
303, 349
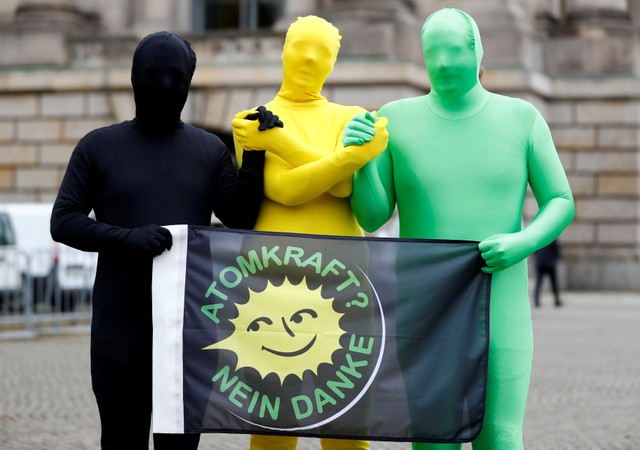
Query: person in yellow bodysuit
308, 173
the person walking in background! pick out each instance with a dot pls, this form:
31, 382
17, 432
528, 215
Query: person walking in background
546, 260
308, 173
136, 176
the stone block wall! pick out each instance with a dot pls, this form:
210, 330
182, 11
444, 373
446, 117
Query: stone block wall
38, 131
580, 68
598, 141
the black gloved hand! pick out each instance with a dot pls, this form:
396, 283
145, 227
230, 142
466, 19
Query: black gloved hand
266, 118
150, 240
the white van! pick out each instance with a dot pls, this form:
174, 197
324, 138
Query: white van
50, 266
31, 227
10, 261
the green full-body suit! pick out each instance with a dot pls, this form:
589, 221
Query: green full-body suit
457, 166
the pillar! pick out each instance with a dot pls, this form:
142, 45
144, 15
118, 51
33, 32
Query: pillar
386, 29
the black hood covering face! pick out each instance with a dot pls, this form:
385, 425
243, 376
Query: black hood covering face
163, 65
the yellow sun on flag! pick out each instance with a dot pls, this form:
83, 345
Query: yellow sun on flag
284, 330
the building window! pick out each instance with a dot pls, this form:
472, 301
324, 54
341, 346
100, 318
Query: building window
244, 15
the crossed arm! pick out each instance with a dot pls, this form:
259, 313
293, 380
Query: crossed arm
300, 172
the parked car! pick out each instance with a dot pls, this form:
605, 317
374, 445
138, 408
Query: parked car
10, 277
55, 271
30, 222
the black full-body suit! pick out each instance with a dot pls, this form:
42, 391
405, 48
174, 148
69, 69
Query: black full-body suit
138, 175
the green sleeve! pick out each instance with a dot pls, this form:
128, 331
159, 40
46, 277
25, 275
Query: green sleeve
373, 199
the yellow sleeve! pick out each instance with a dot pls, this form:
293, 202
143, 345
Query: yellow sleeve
290, 185
309, 171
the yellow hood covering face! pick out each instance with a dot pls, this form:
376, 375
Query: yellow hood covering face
310, 51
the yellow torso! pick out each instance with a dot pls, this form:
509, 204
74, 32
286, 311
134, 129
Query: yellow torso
319, 124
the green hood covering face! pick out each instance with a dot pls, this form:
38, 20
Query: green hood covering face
452, 52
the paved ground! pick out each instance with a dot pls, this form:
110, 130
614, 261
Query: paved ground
585, 391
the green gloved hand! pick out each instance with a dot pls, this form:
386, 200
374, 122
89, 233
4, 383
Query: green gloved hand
359, 130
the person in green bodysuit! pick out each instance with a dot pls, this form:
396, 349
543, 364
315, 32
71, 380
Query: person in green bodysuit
457, 166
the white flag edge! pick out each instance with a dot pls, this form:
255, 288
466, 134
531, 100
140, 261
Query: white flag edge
167, 289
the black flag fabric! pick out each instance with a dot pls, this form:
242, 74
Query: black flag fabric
323, 336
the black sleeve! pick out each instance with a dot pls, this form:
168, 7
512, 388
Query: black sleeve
240, 209
70, 223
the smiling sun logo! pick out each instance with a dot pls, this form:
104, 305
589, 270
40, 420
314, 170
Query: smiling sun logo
284, 330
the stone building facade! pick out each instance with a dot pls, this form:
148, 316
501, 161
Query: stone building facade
65, 68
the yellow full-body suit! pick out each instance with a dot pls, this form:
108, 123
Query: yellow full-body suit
308, 173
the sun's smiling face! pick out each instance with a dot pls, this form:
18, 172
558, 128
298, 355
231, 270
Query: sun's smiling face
284, 330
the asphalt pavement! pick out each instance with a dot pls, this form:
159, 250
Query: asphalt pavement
585, 387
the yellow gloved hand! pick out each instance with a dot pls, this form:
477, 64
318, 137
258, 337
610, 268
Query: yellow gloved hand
248, 134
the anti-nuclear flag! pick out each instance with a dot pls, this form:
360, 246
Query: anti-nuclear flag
343, 337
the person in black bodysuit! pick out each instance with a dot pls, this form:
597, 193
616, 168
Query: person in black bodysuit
138, 175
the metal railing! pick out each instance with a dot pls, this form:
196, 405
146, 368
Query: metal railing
39, 298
